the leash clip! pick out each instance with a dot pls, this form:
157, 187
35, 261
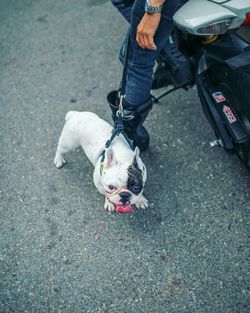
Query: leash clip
119, 112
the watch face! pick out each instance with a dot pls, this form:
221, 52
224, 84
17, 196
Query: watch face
152, 9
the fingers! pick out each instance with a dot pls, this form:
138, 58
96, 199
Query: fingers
151, 44
147, 29
145, 40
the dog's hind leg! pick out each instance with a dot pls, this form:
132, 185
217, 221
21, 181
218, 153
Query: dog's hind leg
59, 161
67, 142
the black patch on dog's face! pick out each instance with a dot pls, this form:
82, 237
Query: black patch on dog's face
135, 183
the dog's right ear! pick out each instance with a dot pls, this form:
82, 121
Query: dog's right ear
110, 158
136, 155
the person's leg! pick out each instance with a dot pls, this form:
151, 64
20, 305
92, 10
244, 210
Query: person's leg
173, 66
138, 100
125, 10
141, 61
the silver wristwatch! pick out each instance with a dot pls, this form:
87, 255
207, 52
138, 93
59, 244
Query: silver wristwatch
152, 9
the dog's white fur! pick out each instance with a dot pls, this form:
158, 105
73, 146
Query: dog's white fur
86, 129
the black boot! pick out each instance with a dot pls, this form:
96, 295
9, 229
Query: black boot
133, 119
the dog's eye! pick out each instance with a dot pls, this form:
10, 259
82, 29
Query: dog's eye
136, 188
111, 187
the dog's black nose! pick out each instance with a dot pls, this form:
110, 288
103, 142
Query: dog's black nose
125, 195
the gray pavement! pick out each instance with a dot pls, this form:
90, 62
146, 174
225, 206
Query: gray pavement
60, 251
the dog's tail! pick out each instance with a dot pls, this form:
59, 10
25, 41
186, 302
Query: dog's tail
69, 115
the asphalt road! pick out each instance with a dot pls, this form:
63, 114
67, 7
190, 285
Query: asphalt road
60, 251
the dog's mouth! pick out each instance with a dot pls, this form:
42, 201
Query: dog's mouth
123, 208
120, 207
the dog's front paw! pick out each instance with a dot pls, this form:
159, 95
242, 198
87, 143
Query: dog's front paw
108, 206
141, 203
59, 161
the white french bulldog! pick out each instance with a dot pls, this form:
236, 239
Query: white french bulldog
120, 175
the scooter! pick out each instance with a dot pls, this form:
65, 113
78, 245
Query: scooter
214, 37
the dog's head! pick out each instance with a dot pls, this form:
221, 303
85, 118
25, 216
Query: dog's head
123, 180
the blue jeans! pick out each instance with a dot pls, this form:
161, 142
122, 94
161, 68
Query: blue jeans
141, 61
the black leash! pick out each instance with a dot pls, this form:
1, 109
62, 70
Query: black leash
119, 127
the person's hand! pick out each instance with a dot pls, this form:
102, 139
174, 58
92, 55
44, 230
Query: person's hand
147, 29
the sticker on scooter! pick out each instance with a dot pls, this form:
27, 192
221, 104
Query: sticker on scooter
229, 114
218, 97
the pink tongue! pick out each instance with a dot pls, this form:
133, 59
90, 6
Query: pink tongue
124, 208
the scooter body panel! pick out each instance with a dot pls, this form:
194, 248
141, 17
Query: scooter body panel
196, 14
223, 49
221, 68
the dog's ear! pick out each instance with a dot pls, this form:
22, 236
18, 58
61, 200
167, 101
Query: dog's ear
110, 158
136, 155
